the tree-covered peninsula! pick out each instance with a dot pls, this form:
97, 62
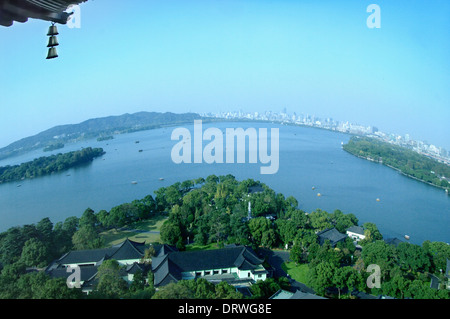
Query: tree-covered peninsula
214, 212
48, 165
406, 161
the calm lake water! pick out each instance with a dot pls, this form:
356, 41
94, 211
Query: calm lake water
308, 158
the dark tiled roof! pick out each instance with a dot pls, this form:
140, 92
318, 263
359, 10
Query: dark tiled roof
332, 235
363, 295
216, 259
49, 10
447, 272
393, 241
165, 272
305, 295
161, 250
134, 268
255, 189
173, 264
85, 256
435, 282
86, 273
126, 250
283, 294
129, 250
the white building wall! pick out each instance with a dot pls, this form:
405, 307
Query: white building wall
355, 236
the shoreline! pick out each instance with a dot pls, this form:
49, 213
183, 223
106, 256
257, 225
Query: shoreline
394, 168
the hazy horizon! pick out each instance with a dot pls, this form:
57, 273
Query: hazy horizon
266, 55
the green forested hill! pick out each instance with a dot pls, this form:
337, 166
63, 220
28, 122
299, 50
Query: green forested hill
405, 160
94, 128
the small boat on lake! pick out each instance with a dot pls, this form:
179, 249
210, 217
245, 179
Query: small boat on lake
161, 179
407, 237
134, 182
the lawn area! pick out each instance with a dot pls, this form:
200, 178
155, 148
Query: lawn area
147, 231
192, 247
297, 272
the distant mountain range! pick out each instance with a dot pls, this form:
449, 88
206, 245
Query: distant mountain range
95, 128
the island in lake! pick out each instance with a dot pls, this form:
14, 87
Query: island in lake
96, 128
53, 147
48, 165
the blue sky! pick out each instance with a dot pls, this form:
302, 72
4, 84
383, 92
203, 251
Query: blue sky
310, 57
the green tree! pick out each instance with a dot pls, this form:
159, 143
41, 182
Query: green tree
88, 219
201, 288
439, 252
35, 253
45, 230
57, 289
263, 289
11, 245
173, 291
371, 234
138, 282
259, 227
286, 230
62, 236
110, 282
224, 290
321, 277
302, 242
170, 232
412, 257
395, 287
219, 226
343, 221
345, 278
87, 237
381, 254
320, 220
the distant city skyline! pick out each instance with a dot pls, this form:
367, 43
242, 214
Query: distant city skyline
201, 56
423, 147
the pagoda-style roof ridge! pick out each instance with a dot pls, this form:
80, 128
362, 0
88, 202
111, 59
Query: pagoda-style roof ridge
129, 245
243, 261
47, 10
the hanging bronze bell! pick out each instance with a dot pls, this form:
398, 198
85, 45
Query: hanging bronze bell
53, 30
52, 53
52, 42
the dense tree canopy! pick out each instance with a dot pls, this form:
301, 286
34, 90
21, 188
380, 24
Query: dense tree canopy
407, 161
216, 211
48, 165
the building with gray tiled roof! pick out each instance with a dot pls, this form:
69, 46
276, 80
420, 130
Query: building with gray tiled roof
331, 235
238, 265
128, 254
447, 273
356, 233
48, 10
284, 294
